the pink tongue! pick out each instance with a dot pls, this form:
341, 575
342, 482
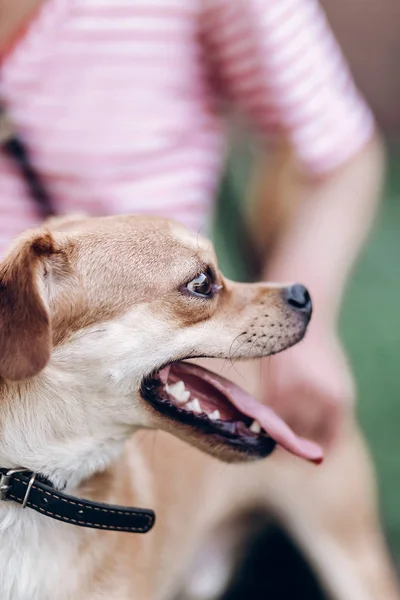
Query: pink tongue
274, 426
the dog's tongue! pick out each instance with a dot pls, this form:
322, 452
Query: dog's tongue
273, 425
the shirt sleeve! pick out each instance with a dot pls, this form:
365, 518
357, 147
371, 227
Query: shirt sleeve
279, 62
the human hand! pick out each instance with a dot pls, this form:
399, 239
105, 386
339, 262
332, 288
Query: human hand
311, 385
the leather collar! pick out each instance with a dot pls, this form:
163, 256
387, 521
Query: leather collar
34, 491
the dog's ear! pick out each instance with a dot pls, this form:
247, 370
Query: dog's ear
25, 328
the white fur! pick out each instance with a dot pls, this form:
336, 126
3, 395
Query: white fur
72, 423
35, 554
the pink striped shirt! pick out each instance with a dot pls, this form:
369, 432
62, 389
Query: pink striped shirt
120, 101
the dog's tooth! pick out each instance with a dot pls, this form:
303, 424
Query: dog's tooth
184, 397
178, 391
255, 427
196, 406
215, 415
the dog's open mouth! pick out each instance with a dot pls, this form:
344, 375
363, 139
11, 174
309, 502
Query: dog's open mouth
217, 407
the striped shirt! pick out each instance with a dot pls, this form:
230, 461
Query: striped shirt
121, 102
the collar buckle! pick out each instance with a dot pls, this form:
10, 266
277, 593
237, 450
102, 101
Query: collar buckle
5, 482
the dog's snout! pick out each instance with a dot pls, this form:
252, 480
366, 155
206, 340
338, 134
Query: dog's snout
298, 297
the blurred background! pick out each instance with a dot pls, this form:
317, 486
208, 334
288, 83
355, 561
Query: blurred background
368, 31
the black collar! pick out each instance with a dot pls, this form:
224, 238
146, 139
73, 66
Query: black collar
33, 491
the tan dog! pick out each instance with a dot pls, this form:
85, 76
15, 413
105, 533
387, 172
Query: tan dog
95, 317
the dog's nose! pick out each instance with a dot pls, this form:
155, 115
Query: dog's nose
298, 297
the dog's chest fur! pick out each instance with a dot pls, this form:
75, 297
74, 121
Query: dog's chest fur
37, 554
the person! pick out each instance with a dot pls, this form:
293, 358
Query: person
122, 107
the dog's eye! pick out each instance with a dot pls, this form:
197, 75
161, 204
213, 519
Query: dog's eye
202, 285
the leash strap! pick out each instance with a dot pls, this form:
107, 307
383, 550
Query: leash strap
30, 490
16, 151
11, 143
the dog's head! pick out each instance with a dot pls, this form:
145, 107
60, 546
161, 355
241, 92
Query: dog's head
96, 317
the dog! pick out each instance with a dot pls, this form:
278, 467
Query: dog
104, 324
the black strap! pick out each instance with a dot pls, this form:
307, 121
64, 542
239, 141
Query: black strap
15, 149
31, 490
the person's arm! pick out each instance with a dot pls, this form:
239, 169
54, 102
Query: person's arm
327, 226
320, 228
14, 16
